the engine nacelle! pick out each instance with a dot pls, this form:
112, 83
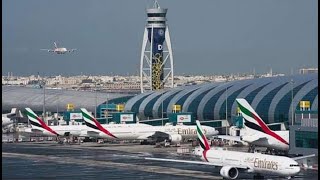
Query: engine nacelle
175, 138
229, 172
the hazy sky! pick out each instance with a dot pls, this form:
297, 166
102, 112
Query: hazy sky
208, 36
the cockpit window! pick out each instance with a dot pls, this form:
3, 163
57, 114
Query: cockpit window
292, 165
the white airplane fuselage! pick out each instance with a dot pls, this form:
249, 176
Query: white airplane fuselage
82, 130
257, 162
60, 50
140, 132
129, 131
270, 142
63, 130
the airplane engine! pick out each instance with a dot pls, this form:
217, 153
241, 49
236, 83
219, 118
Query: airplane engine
175, 138
229, 172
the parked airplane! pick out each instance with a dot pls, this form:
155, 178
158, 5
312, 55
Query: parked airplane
7, 119
39, 126
60, 50
174, 134
233, 162
257, 133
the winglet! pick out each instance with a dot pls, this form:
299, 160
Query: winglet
93, 123
38, 123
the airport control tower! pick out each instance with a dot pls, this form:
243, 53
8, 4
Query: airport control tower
156, 62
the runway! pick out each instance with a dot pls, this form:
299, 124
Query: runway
107, 161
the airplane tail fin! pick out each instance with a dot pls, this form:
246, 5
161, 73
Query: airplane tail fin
13, 111
55, 45
91, 122
38, 123
254, 122
202, 138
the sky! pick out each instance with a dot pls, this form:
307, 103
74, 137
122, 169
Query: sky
209, 37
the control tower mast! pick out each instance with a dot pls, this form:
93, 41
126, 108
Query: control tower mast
156, 62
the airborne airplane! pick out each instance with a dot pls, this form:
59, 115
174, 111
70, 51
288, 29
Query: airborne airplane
60, 50
233, 162
174, 134
256, 132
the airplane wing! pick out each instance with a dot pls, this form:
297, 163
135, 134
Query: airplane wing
35, 131
183, 161
231, 138
145, 136
71, 50
303, 157
157, 136
195, 162
260, 140
49, 50
92, 133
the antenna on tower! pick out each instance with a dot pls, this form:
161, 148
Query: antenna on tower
156, 5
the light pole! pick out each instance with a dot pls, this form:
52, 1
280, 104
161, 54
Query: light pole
162, 107
58, 105
95, 107
44, 99
292, 113
226, 108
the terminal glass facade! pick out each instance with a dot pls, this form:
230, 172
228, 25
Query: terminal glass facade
208, 109
264, 105
306, 139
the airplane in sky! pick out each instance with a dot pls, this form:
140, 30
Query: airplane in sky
257, 133
233, 162
7, 119
58, 50
173, 134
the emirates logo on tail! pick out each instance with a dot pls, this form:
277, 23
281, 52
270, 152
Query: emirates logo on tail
253, 120
38, 123
202, 140
91, 122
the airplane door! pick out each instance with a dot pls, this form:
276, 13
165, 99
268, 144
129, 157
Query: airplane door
238, 132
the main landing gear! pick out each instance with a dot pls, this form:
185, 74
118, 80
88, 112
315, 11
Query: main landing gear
251, 148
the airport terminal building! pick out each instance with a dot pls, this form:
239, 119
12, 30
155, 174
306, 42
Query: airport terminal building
273, 98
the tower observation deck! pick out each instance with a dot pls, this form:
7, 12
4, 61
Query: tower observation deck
156, 61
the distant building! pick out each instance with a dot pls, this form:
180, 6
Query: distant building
308, 70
